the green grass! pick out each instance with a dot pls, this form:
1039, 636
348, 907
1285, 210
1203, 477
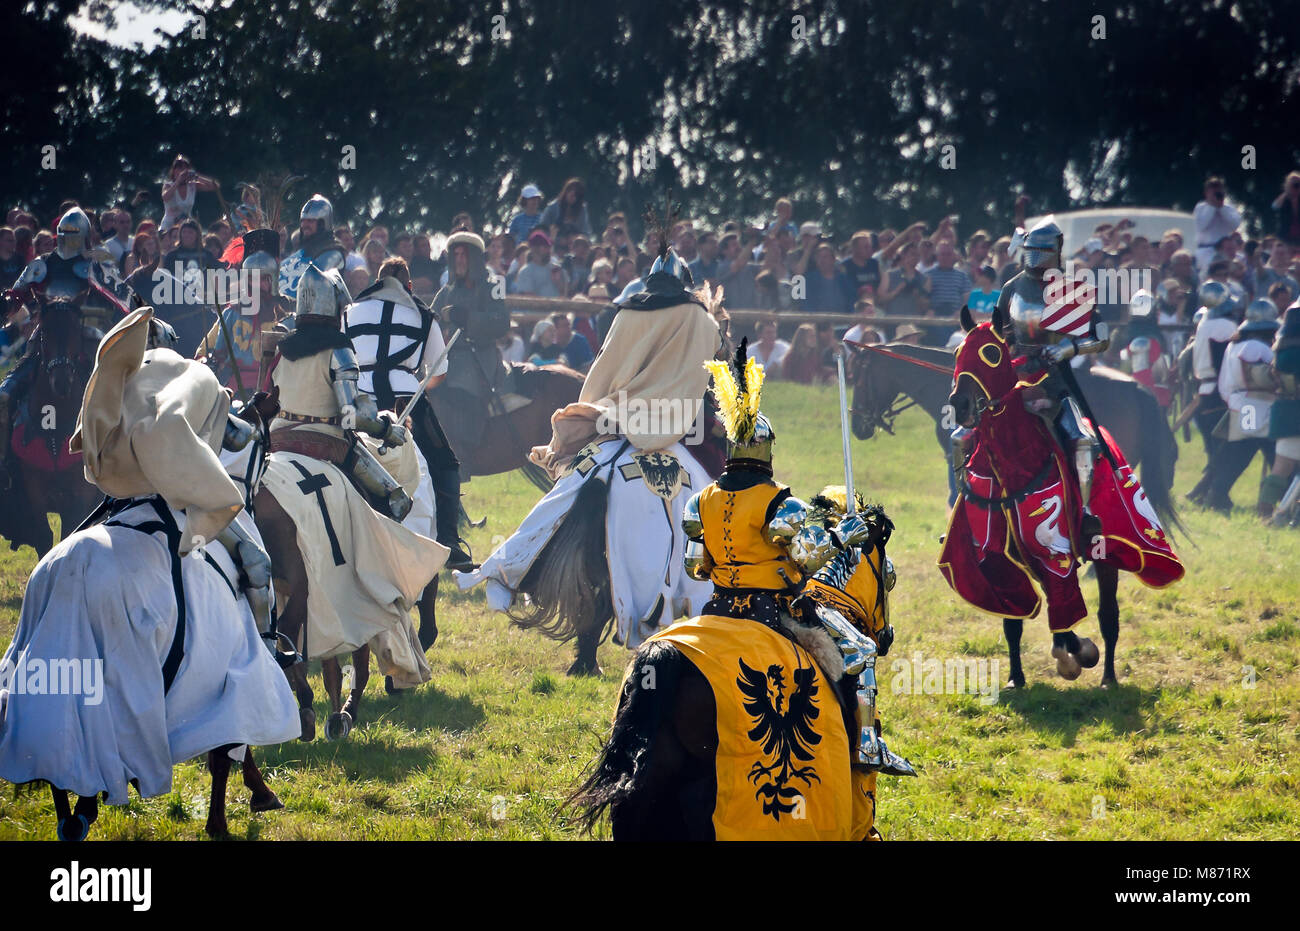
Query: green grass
1199, 742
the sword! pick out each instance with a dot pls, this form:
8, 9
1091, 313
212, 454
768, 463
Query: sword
850, 502
415, 398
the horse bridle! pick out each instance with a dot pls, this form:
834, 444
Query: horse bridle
884, 419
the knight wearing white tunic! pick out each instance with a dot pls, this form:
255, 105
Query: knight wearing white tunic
136, 648
605, 544
329, 448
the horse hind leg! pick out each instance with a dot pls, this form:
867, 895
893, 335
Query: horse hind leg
429, 615
219, 766
586, 664
1013, 628
360, 676
1108, 620
262, 799
336, 726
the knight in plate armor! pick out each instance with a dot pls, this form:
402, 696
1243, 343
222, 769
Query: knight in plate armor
1051, 325
317, 245
322, 407
783, 644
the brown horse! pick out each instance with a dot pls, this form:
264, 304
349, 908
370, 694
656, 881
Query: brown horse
507, 438
63, 354
280, 536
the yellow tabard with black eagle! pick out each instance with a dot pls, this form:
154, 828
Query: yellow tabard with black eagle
733, 535
783, 763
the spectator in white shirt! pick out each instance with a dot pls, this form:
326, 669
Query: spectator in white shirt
768, 350
1215, 219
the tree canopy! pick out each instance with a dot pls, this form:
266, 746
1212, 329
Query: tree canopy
848, 107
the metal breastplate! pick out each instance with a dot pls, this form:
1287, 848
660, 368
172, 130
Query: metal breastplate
65, 279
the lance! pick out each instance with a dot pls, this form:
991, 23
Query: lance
850, 501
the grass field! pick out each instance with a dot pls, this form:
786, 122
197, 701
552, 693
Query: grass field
1201, 740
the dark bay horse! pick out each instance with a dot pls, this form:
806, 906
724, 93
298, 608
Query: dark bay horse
50, 477
507, 438
1127, 409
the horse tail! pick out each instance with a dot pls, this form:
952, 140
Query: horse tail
568, 584
619, 779
1159, 455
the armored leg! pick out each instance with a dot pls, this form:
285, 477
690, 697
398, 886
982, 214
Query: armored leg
859, 653
1083, 442
373, 479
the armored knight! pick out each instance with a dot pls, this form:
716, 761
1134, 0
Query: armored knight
1050, 327
321, 404
237, 342
742, 699
317, 244
71, 273
397, 338
761, 547
1144, 355
1214, 331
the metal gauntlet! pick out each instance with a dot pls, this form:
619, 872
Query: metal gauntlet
255, 573
345, 375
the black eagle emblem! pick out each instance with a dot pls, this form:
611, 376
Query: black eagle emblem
784, 727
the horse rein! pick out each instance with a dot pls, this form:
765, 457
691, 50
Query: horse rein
885, 419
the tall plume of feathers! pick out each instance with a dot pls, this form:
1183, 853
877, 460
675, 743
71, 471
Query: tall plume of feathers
738, 387
662, 225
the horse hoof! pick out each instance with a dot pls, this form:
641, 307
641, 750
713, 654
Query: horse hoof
74, 828
1109, 682
580, 668
268, 802
1014, 683
216, 830
1087, 654
1067, 667
307, 716
338, 726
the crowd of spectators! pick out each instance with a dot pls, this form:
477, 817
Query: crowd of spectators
551, 250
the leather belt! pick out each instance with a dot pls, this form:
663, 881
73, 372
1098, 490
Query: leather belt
334, 420
310, 443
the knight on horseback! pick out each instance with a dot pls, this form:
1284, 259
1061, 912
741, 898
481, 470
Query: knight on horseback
72, 275
1050, 327
322, 404
238, 340
603, 547
727, 726
396, 338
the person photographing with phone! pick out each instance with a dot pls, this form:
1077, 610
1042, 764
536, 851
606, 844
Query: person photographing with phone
1215, 219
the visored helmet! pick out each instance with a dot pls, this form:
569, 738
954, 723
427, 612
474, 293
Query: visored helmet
73, 234
756, 448
320, 209
1043, 245
162, 335
322, 294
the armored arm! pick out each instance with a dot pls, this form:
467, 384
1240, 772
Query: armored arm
255, 571
345, 374
699, 564
1070, 346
